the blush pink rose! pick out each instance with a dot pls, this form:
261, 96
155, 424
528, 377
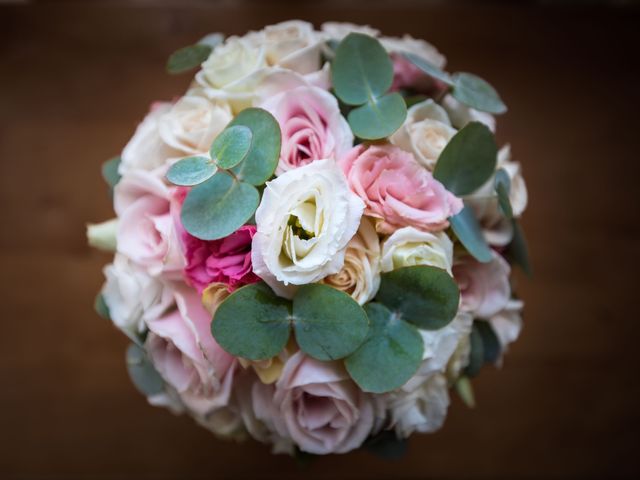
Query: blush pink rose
406, 76
187, 356
317, 406
145, 232
484, 287
311, 124
397, 190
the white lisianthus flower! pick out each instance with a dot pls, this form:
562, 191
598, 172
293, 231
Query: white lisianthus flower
460, 114
133, 295
408, 246
305, 221
293, 45
408, 44
508, 323
339, 30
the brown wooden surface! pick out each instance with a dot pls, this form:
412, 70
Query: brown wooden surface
74, 82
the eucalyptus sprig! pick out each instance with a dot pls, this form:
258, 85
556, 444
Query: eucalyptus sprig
192, 56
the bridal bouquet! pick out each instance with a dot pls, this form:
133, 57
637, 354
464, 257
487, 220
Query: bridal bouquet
313, 245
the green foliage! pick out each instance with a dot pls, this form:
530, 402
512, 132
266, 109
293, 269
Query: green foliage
490, 343
476, 93
476, 356
110, 172
387, 445
191, 171
518, 251
231, 146
465, 391
378, 118
101, 307
142, 372
502, 184
466, 227
188, 58
429, 68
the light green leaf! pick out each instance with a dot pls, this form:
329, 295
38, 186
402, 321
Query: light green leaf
142, 372
422, 295
468, 160
261, 161
518, 251
231, 146
218, 207
468, 231
428, 68
502, 184
101, 307
476, 356
390, 355
212, 40
188, 58
465, 391
378, 118
252, 323
191, 171
476, 93
328, 323
361, 69
110, 171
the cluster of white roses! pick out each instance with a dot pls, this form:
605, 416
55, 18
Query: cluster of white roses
336, 213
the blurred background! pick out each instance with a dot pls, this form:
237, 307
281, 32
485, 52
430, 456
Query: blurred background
75, 78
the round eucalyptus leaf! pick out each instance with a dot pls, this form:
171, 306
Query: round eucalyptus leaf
191, 171
476, 355
218, 207
101, 307
468, 160
261, 161
422, 295
142, 372
390, 355
231, 146
188, 58
252, 323
378, 118
428, 68
361, 69
476, 93
502, 184
490, 343
328, 323
468, 231
110, 171
518, 252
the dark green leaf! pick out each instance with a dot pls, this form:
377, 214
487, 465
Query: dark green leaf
466, 227
191, 171
476, 356
361, 69
518, 252
390, 355
468, 160
378, 118
429, 68
490, 343
503, 187
422, 295
262, 159
101, 307
252, 323
476, 93
218, 207
231, 146
387, 445
188, 58
110, 171
328, 323
142, 372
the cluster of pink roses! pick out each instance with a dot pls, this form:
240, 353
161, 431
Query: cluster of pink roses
337, 213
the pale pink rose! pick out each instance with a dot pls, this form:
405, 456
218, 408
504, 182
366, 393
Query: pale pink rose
146, 233
187, 356
311, 124
397, 190
317, 406
484, 287
407, 76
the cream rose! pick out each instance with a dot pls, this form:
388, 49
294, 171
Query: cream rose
339, 30
409, 246
408, 44
305, 221
460, 114
294, 45
425, 132
360, 275
236, 58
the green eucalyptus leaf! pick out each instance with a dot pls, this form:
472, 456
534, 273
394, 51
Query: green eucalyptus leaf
212, 40
387, 445
142, 372
110, 171
101, 307
378, 118
467, 229
518, 251
476, 355
252, 323
231, 146
191, 171
422, 295
490, 343
502, 184
361, 69
261, 161
328, 323
468, 160
476, 93
218, 207
188, 58
390, 355
429, 68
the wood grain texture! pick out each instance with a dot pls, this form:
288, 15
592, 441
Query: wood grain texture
74, 81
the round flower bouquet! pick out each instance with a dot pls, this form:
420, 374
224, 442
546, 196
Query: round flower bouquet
313, 245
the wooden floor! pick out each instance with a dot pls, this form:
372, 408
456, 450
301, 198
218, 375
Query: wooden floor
74, 82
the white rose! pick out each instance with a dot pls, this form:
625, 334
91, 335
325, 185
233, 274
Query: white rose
133, 296
408, 44
408, 246
460, 114
339, 30
192, 123
508, 323
360, 275
425, 132
305, 221
294, 45
236, 58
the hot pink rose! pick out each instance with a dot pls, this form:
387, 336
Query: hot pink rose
484, 287
317, 406
311, 124
397, 190
186, 355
